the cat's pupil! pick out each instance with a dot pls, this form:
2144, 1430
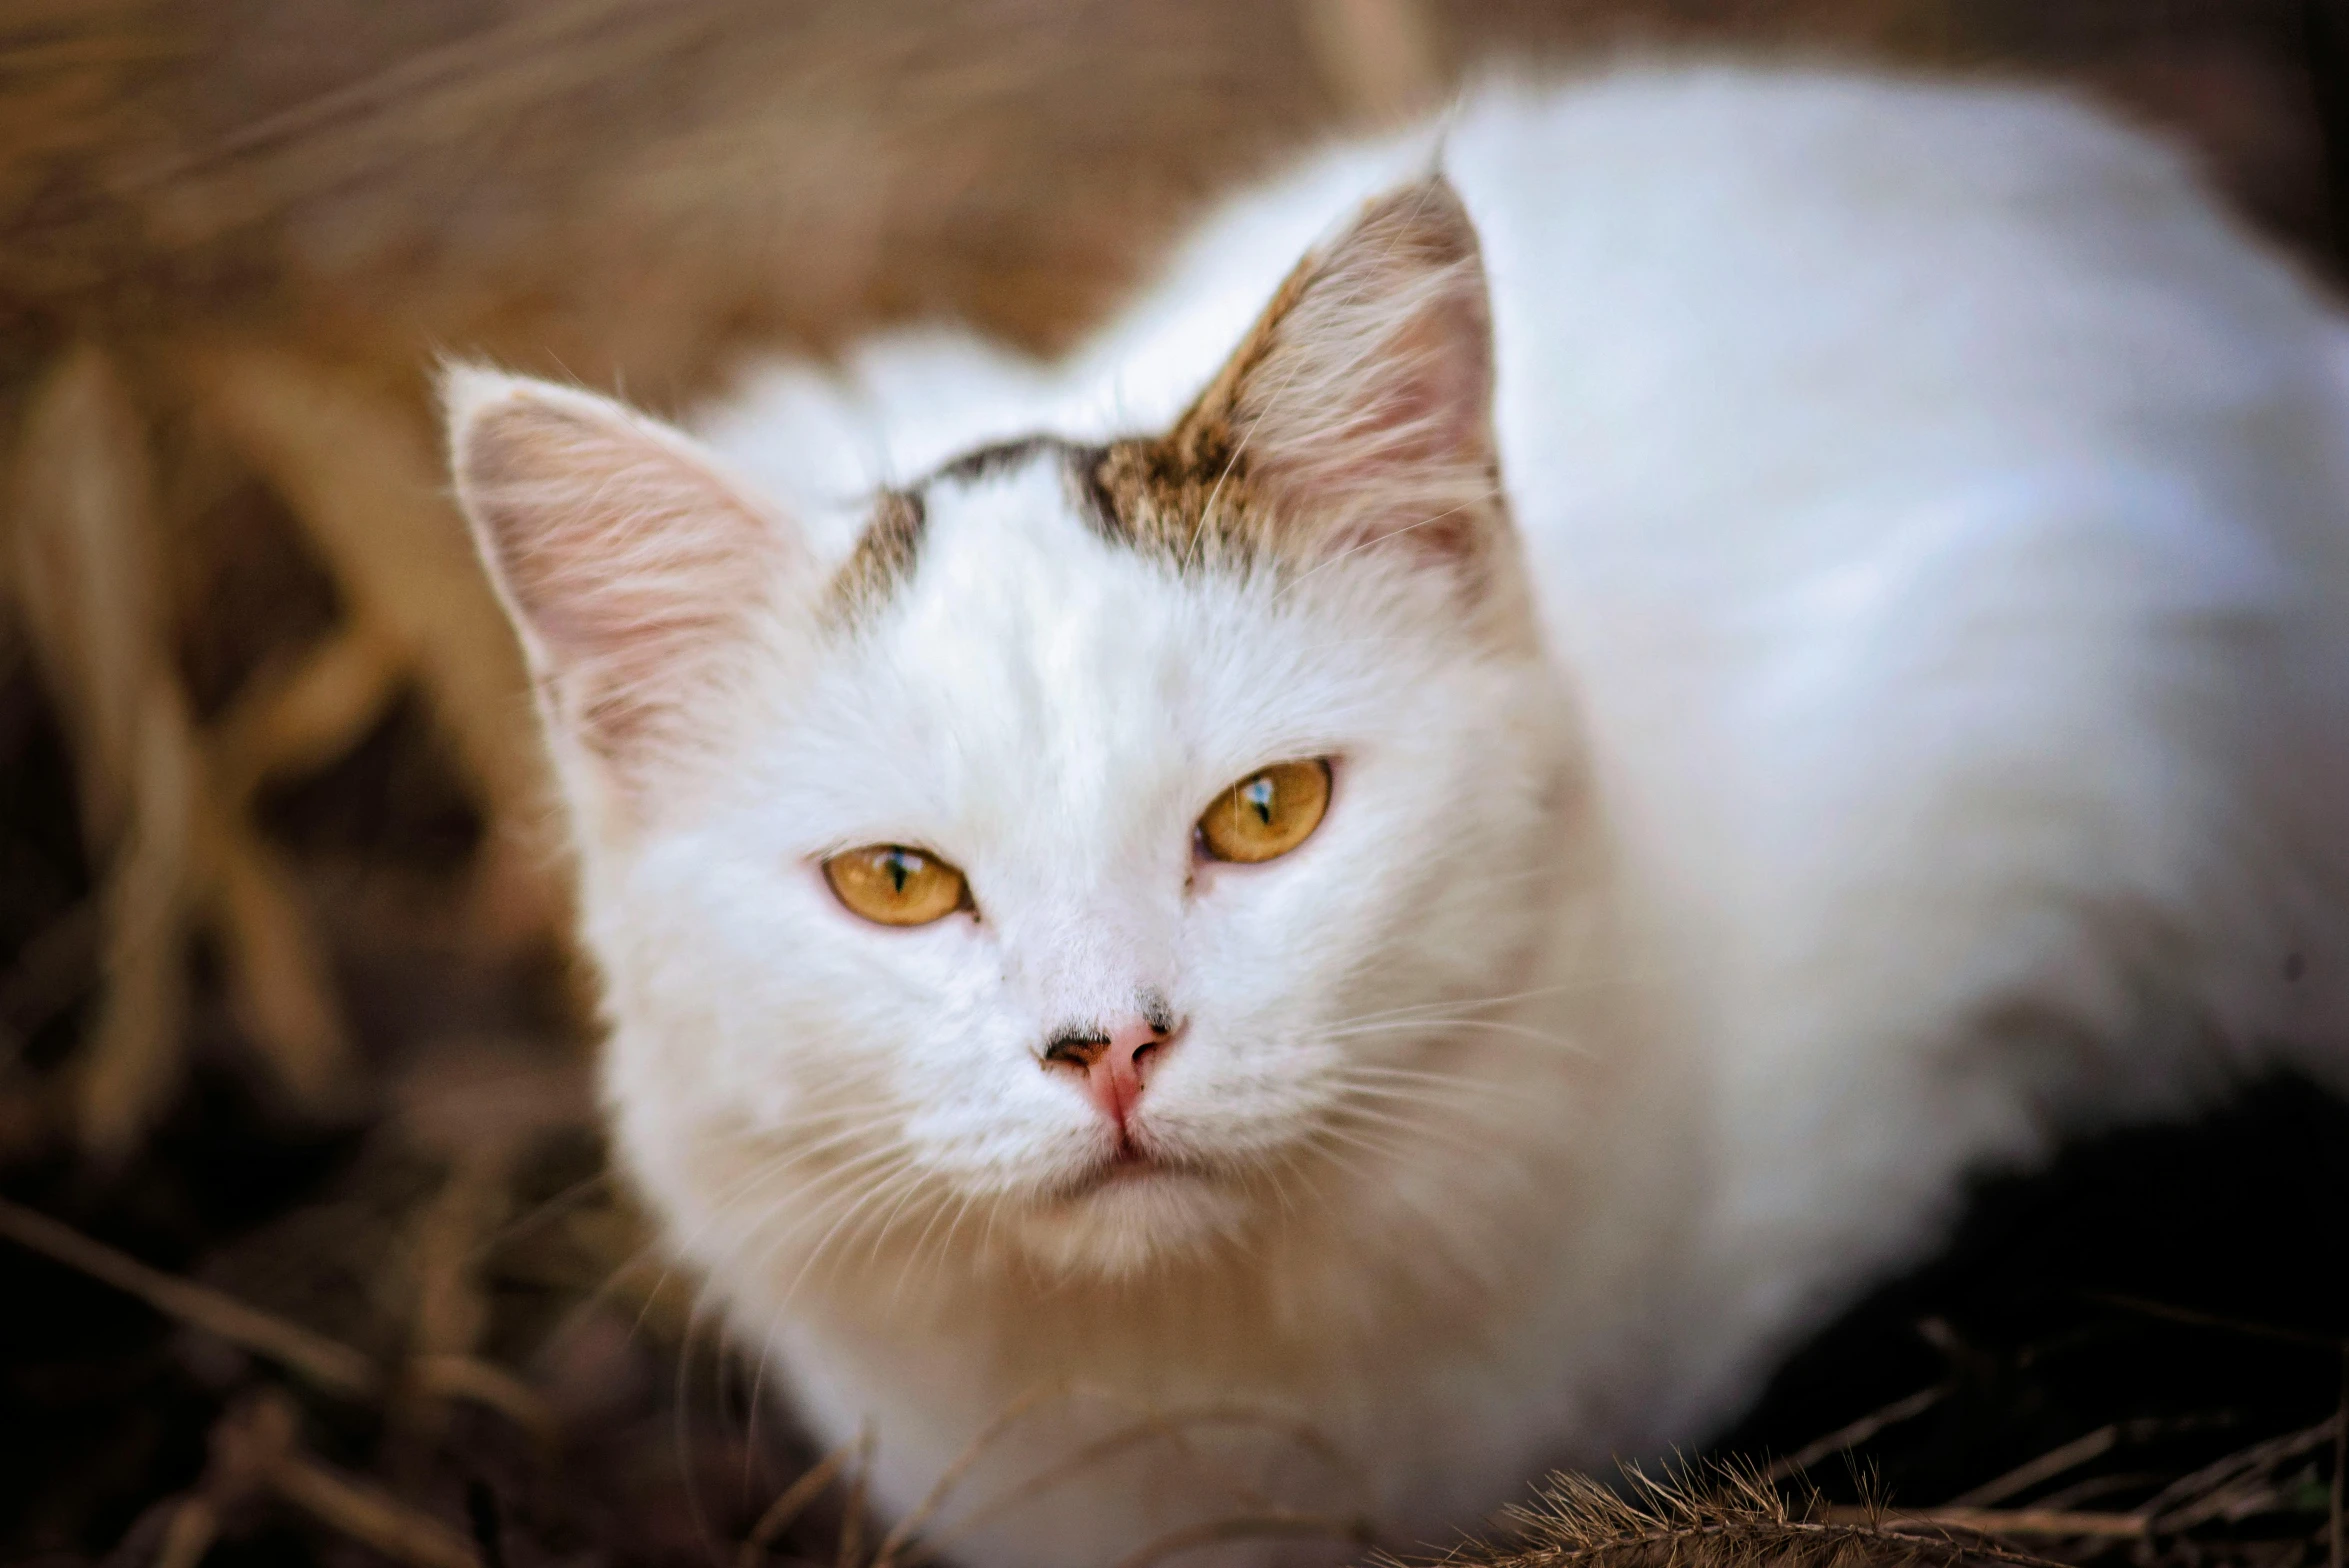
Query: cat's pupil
900, 868
1257, 792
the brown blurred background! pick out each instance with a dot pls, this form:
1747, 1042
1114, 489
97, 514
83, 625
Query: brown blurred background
285, 1010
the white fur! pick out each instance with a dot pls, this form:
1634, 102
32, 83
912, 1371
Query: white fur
1935, 510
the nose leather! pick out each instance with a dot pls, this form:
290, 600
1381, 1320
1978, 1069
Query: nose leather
1113, 1063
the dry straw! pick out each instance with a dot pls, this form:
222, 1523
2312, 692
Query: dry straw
248, 231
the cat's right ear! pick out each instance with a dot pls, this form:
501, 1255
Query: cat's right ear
631, 566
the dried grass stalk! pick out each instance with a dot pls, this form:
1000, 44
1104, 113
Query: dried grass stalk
1853, 1434
785, 1510
131, 1062
435, 98
359, 472
280, 982
324, 1362
85, 578
1724, 1518
258, 1450
86, 572
2044, 1523
490, 1386
375, 1517
328, 1363
1381, 60
298, 718
193, 1528
451, 1310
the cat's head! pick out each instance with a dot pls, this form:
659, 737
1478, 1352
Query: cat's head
1099, 842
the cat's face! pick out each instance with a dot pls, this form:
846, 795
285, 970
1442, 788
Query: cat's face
1094, 847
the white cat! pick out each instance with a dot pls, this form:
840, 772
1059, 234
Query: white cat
1412, 901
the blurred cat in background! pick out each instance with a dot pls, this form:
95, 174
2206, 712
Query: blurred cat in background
1400, 870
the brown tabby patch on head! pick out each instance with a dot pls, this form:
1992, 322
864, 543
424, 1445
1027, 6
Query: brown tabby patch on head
886, 552
1189, 509
883, 558
1186, 495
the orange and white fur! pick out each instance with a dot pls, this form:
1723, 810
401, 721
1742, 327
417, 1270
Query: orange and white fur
1813, 611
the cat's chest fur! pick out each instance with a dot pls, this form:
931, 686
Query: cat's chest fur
1820, 607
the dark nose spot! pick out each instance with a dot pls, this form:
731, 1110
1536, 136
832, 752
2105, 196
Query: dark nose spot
1157, 1013
1076, 1048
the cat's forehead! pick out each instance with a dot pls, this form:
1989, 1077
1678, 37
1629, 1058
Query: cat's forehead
1044, 478
1004, 567
995, 630
1187, 509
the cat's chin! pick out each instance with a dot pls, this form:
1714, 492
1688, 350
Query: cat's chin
1127, 1216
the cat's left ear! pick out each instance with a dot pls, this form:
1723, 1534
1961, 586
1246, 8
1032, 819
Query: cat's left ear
631, 565
1359, 408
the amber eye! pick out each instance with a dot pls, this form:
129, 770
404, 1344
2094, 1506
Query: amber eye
1268, 813
895, 886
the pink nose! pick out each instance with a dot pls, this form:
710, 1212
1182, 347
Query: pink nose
1113, 1063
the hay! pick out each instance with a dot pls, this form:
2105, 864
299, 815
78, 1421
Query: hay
86, 579
289, 1048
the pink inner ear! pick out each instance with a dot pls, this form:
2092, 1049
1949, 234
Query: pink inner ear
623, 649
629, 563
1424, 398
1369, 407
